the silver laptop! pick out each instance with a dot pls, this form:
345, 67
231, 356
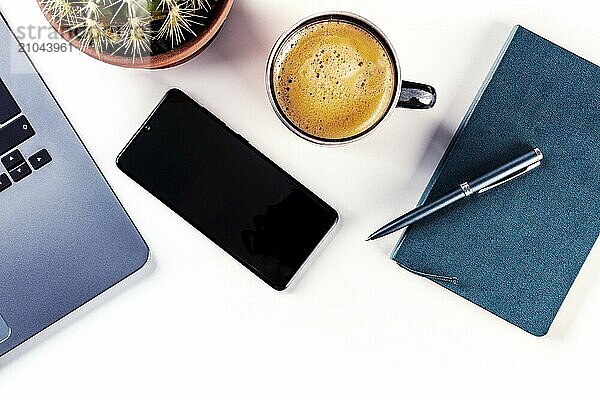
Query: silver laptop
64, 236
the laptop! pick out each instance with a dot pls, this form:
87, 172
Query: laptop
64, 236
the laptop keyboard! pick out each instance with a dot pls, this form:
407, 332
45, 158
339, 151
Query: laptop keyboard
15, 129
8, 106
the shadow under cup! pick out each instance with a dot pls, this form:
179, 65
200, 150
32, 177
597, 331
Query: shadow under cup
405, 94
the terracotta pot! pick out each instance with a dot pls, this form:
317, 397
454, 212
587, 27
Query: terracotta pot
179, 55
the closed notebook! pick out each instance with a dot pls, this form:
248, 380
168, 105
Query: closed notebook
517, 249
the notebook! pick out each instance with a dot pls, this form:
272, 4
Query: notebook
516, 250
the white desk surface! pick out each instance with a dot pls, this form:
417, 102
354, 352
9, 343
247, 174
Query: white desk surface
196, 324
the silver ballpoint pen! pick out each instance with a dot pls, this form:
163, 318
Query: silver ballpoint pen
509, 171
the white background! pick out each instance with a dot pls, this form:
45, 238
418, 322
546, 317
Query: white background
195, 324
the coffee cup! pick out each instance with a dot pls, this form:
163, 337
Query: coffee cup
335, 77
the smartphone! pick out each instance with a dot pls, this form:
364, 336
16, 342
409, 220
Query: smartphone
228, 190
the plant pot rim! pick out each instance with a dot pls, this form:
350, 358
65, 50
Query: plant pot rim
171, 58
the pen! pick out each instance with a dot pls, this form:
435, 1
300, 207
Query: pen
511, 170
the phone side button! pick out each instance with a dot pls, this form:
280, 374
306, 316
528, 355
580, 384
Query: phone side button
242, 138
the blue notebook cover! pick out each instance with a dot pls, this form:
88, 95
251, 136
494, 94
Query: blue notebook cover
517, 249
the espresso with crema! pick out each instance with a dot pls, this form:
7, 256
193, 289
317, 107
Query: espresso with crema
334, 80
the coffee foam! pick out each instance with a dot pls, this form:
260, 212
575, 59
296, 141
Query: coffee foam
334, 80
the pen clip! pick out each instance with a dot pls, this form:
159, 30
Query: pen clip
511, 177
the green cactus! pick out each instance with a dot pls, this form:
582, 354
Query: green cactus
135, 28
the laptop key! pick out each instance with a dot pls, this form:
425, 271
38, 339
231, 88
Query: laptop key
15, 133
20, 173
8, 107
39, 159
13, 160
5, 182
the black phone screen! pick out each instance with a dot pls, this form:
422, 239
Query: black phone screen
228, 190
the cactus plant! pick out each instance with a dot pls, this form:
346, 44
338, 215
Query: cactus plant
134, 28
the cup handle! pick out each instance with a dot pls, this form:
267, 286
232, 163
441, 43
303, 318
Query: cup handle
416, 96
